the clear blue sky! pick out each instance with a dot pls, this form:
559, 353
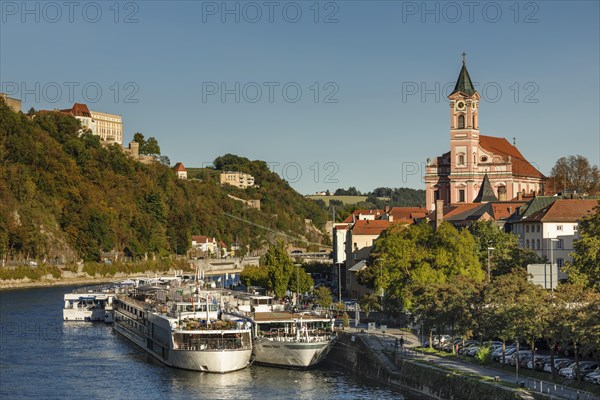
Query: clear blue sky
367, 121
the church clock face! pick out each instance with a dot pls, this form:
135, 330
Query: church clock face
460, 105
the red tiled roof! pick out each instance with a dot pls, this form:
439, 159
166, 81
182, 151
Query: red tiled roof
202, 239
400, 213
503, 210
458, 209
501, 147
342, 227
370, 227
78, 110
564, 210
179, 167
356, 214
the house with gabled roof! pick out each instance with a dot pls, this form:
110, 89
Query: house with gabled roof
550, 228
180, 170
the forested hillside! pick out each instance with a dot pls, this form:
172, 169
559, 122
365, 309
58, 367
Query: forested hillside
69, 197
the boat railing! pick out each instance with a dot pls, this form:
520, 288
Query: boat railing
202, 325
216, 343
312, 335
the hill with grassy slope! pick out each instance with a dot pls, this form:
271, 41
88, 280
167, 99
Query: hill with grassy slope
67, 196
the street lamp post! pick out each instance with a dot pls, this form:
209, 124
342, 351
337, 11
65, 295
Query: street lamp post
489, 250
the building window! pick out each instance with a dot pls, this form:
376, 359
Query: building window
461, 159
560, 244
502, 193
474, 126
559, 227
527, 229
436, 195
527, 243
538, 229
538, 244
461, 122
461, 195
560, 262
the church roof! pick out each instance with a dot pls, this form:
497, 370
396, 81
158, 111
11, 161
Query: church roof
486, 192
464, 84
501, 147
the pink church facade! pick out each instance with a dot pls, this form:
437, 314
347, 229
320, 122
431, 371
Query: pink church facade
456, 176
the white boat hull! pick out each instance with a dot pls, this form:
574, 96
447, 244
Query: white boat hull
290, 354
70, 314
201, 360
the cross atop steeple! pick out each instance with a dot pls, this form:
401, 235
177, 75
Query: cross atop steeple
464, 57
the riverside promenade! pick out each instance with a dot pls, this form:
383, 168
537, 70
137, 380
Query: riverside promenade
384, 345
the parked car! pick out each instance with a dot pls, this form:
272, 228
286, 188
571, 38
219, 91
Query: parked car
538, 363
558, 364
518, 357
497, 354
592, 376
585, 367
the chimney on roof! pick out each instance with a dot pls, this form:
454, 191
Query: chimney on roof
439, 213
387, 209
519, 196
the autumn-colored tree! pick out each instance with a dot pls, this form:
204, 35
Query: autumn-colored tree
575, 173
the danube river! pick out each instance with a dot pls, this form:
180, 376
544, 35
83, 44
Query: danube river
42, 357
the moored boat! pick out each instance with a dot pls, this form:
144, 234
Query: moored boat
183, 330
88, 305
287, 339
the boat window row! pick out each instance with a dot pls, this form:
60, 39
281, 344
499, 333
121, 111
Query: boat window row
226, 341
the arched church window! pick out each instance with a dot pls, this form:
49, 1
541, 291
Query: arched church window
461, 159
474, 126
461, 122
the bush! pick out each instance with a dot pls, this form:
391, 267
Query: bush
484, 355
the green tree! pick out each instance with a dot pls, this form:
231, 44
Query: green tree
586, 257
283, 275
507, 255
419, 256
514, 308
323, 297
578, 307
151, 147
254, 275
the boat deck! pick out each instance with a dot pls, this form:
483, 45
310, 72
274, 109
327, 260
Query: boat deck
286, 316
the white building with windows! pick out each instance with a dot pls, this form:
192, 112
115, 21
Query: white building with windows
552, 230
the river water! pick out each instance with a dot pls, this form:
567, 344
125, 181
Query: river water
43, 357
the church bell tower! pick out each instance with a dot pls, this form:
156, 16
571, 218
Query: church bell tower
464, 138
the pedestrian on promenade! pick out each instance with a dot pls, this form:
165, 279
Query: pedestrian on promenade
402, 342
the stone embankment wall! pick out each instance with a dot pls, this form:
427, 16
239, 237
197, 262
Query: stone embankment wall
352, 354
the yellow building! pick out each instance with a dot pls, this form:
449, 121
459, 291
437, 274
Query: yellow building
237, 179
108, 126
14, 104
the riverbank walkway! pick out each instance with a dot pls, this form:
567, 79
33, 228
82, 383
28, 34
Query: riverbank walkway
384, 345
